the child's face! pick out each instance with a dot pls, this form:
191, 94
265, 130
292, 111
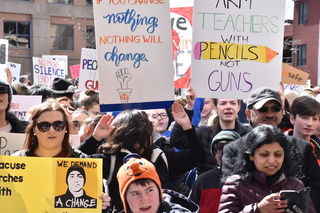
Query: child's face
143, 199
304, 126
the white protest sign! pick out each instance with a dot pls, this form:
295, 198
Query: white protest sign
15, 71
20, 104
45, 70
61, 58
134, 53
3, 53
88, 70
298, 89
237, 47
12, 142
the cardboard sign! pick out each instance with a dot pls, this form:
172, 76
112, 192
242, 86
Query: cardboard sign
15, 71
75, 71
12, 142
134, 53
30, 184
88, 70
45, 70
20, 104
237, 47
292, 75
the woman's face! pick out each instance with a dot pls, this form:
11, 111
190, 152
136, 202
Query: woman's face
227, 109
268, 158
51, 139
75, 181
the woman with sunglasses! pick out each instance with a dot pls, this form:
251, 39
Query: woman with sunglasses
48, 136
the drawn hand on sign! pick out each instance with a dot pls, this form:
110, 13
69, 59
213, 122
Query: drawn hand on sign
123, 77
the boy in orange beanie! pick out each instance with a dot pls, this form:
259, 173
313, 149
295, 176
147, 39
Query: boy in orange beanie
140, 189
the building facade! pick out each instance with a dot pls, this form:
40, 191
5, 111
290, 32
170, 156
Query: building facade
303, 36
46, 27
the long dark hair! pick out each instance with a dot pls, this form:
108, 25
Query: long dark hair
31, 141
132, 127
260, 135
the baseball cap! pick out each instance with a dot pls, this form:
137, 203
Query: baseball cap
262, 95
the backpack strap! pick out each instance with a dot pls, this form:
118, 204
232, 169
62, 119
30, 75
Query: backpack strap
157, 152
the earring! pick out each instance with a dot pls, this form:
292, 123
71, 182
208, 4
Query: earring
66, 131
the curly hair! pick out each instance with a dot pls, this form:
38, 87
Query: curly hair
31, 140
259, 136
133, 131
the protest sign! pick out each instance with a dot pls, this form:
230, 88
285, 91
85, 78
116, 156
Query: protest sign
45, 70
75, 71
3, 53
28, 184
134, 53
181, 26
298, 89
20, 104
292, 75
237, 47
60, 58
15, 71
88, 70
12, 142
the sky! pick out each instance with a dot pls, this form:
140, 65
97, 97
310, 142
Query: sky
289, 9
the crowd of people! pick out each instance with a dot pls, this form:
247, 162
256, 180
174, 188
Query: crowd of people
158, 160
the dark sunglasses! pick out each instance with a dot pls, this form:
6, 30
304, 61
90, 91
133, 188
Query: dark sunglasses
273, 109
57, 125
4, 90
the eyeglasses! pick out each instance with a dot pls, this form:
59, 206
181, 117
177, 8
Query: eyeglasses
76, 124
57, 126
162, 115
273, 109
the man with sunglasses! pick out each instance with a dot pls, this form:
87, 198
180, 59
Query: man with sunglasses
265, 106
8, 121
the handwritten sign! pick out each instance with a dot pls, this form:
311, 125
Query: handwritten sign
20, 104
75, 71
15, 71
292, 75
88, 70
181, 26
237, 47
61, 58
29, 184
12, 142
45, 70
134, 52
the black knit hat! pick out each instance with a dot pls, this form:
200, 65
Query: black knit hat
5, 88
62, 87
224, 135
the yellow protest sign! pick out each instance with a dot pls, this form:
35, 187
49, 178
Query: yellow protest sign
232, 51
50, 185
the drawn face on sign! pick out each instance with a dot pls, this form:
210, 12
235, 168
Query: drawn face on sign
75, 181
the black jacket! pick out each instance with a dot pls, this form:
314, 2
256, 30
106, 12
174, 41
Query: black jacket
178, 163
18, 126
205, 135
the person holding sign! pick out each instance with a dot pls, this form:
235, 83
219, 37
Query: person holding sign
75, 197
47, 135
263, 168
